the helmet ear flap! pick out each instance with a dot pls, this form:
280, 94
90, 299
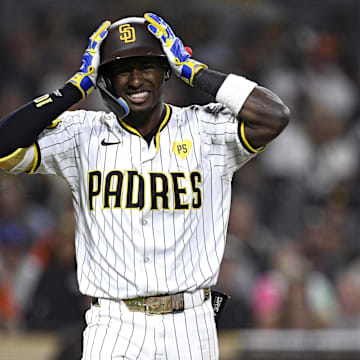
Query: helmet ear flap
116, 105
167, 74
108, 84
105, 78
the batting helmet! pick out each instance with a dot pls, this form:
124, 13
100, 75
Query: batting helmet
127, 37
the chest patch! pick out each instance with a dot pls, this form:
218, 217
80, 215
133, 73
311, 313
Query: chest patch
182, 149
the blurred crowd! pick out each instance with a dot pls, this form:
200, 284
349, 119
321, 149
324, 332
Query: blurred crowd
293, 256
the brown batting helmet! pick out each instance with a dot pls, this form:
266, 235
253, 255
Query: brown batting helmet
129, 37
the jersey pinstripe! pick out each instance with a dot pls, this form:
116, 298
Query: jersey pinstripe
150, 219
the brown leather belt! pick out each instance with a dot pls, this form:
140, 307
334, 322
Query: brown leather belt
160, 304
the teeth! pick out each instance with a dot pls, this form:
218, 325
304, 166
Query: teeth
139, 94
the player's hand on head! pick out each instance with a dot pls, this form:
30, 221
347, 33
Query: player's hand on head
178, 57
85, 78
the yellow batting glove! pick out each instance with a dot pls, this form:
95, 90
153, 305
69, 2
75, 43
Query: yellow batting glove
85, 78
179, 59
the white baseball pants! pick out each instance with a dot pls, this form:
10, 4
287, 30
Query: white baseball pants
113, 333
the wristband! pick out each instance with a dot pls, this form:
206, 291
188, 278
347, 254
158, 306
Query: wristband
234, 91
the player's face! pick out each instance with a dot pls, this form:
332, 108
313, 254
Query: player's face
140, 81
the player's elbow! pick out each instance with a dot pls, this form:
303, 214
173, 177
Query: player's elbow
265, 110
275, 113
280, 117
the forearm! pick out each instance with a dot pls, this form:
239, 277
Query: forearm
209, 80
21, 128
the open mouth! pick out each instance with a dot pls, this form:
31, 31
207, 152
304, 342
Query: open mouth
139, 97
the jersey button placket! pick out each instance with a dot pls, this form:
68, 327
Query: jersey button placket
147, 152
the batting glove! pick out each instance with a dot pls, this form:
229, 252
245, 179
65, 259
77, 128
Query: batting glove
85, 78
179, 59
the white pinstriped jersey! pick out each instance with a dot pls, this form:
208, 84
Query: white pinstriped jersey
150, 219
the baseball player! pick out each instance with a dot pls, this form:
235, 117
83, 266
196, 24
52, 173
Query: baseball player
150, 181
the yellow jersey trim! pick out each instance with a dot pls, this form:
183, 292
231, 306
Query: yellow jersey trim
54, 124
129, 128
36, 159
162, 125
245, 141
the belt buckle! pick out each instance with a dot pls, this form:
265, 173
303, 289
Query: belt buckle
158, 305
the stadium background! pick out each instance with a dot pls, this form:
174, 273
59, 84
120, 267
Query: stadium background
292, 265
